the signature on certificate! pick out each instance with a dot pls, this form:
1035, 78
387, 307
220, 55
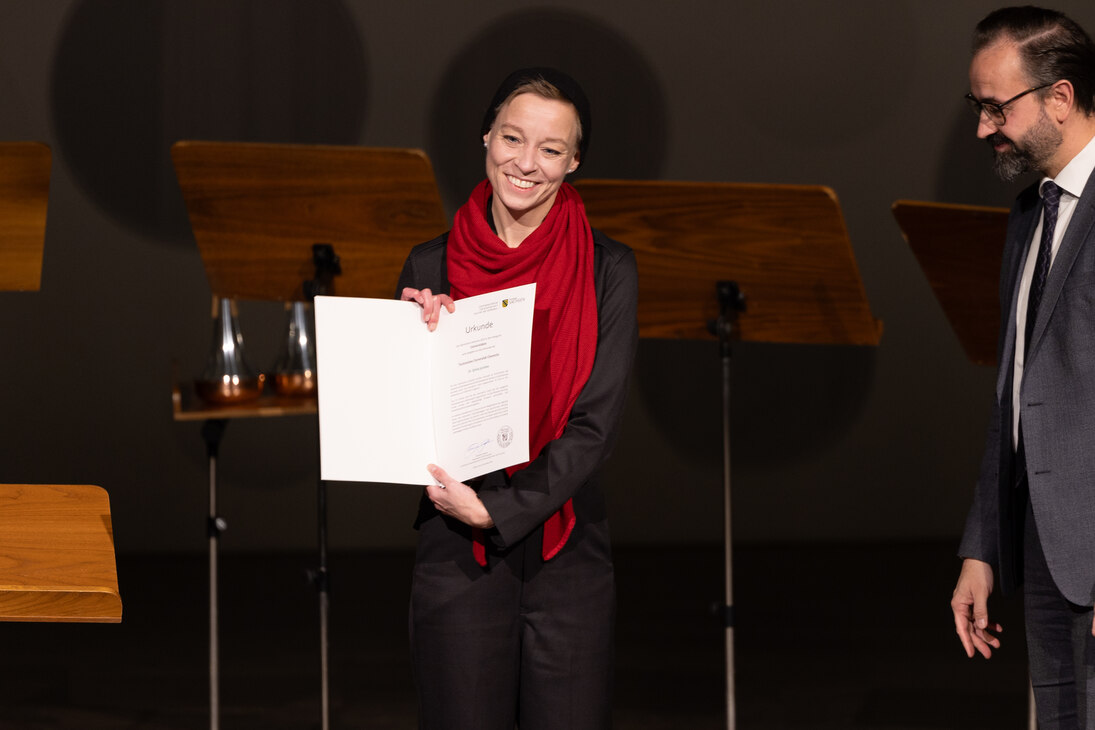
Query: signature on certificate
477, 446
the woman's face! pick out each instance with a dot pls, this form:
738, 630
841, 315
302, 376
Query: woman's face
531, 147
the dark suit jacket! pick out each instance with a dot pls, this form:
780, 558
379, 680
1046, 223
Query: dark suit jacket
1057, 398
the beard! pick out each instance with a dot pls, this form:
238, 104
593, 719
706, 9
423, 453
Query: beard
1031, 153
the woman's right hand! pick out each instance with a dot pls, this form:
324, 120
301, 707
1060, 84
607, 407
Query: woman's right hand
431, 304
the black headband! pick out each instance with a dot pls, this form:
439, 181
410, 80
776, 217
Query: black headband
565, 84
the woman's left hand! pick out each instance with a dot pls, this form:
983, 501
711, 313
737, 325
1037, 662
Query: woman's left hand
457, 500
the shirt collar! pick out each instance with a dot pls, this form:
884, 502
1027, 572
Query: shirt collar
1074, 176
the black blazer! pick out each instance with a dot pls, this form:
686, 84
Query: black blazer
567, 466
1057, 398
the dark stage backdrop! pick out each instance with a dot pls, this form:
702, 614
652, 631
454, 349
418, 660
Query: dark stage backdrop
829, 443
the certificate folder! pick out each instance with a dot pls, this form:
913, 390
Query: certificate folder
395, 397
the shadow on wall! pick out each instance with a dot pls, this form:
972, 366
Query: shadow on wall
628, 106
131, 77
821, 74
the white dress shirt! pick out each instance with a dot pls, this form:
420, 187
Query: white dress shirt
1071, 180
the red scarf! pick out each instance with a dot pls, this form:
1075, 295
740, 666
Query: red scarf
558, 258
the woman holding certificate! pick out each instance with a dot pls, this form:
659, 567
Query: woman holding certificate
513, 598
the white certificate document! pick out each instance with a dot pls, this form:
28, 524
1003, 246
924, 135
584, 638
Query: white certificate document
394, 397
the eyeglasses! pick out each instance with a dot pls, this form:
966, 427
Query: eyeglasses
995, 111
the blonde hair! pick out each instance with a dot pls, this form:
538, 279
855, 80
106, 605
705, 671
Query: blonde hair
545, 90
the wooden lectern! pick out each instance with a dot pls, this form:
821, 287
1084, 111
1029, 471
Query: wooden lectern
57, 554
959, 248
56, 541
24, 196
256, 210
762, 263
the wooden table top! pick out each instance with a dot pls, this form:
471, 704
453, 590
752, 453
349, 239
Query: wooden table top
57, 554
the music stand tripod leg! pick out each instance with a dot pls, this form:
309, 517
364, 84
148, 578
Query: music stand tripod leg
212, 432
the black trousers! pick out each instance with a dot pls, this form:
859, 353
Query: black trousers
523, 642
1059, 642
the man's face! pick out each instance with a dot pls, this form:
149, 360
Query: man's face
1028, 139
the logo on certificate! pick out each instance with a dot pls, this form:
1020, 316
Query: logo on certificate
505, 436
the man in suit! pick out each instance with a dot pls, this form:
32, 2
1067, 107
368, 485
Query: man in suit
1032, 523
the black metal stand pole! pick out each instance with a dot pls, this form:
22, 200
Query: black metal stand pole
212, 432
731, 301
328, 266
322, 585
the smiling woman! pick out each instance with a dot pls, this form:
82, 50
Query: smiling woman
513, 600
531, 148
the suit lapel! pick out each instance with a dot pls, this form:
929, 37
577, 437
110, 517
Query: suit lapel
1079, 228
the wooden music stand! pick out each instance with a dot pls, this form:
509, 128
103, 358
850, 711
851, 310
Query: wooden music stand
256, 210
959, 248
57, 554
24, 196
705, 249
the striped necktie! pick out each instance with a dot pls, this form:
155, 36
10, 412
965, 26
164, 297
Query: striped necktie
1051, 197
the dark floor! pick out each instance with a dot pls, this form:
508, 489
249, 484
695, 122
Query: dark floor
841, 637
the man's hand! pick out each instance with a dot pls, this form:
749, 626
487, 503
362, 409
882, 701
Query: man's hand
970, 606
431, 304
457, 500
